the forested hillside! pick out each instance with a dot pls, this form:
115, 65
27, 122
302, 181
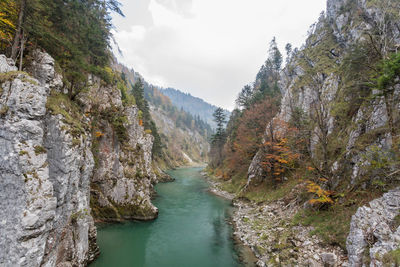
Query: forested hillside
234, 147
181, 138
318, 136
194, 105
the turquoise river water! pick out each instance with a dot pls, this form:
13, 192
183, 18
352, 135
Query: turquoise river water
192, 230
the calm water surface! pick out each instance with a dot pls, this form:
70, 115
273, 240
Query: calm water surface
191, 230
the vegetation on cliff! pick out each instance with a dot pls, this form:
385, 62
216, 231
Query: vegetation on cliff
75, 33
326, 123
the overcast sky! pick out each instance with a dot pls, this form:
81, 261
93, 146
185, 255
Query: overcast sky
209, 48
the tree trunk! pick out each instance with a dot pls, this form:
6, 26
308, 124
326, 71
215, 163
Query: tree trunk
71, 90
22, 51
18, 32
389, 110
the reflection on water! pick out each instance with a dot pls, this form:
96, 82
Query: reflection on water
191, 230
220, 230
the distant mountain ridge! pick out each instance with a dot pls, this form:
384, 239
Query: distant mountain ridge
194, 105
191, 104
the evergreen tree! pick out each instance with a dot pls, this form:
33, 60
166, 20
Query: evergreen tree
275, 57
145, 116
220, 119
218, 139
268, 76
289, 51
76, 33
244, 98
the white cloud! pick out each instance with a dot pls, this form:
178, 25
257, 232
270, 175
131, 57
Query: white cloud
211, 48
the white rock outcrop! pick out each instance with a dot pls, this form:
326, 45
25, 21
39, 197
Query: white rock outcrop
373, 230
49, 175
44, 178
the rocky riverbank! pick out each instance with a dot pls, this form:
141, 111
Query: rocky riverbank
268, 230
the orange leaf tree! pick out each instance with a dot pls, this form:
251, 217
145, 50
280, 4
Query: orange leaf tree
245, 140
321, 197
279, 158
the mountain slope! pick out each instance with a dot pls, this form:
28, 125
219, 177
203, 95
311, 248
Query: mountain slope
194, 105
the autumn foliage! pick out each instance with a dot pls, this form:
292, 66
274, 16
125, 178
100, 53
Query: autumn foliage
278, 158
98, 134
321, 196
246, 136
8, 17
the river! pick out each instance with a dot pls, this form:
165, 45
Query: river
192, 230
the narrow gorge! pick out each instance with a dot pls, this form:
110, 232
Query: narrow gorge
101, 167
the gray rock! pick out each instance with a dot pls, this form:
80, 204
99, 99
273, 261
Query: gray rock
124, 176
371, 229
42, 67
348, 21
47, 169
343, 19
313, 263
26, 195
260, 263
44, 178
329, 259
6, 64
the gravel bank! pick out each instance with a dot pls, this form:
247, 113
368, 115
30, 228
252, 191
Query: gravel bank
268, 231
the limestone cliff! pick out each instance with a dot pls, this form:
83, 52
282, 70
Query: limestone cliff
346, 25
327, 84
63, 163
123, 179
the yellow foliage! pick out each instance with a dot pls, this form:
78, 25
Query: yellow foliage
283, 161
148, 131
8, 17
323, 196
98, 134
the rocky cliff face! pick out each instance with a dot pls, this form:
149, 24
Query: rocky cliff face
123, 179
55, 166
375, 232
45, 176
339, 30
317, 85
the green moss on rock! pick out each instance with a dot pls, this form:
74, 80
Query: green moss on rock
58, 103
39, 150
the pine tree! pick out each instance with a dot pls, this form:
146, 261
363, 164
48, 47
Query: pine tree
76, 33
145, 116
244, 98
220, 118
218, 139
